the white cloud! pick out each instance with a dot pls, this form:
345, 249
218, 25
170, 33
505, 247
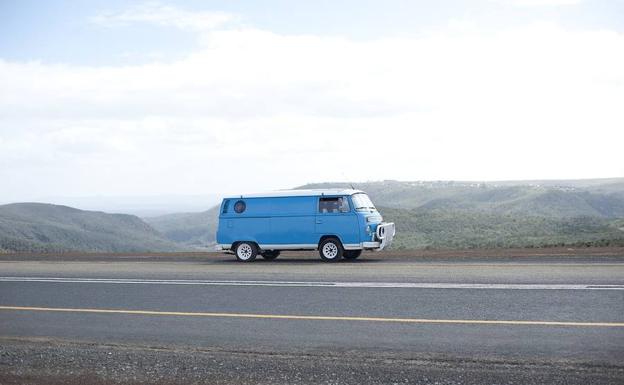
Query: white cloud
539, 3
254, 110
164, 15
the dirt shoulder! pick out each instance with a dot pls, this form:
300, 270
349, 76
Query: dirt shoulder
386, 254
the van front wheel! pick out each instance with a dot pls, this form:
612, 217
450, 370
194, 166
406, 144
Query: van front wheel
246, 251
330, 250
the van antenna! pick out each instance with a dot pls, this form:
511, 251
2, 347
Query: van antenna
347, 180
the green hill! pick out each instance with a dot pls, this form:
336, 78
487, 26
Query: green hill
467, 214
560, 199
39, 227
427, 214
191, 229
453, 229
500, 214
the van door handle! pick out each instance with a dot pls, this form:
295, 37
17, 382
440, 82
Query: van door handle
319, 221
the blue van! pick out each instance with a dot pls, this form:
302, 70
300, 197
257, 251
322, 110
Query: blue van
338, 223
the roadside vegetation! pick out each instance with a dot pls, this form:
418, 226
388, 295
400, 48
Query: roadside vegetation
463, 229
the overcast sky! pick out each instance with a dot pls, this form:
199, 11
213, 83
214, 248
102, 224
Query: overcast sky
118, 98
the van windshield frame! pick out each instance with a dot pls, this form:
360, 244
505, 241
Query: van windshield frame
362, 202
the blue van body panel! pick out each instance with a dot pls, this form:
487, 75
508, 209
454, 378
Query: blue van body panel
294, 222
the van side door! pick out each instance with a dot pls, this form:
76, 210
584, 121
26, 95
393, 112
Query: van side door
335, 216
292, 222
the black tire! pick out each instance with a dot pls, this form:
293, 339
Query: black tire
351, 254
246, 251
330, 250
270, 255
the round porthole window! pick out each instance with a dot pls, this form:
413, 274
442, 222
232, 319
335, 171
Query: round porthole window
239, 207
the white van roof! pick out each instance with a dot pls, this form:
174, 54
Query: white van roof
298, 193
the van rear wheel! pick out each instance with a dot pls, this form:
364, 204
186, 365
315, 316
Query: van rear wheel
270, 255
331, 250
246, 251
352, 254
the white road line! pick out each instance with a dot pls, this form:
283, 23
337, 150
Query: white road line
403, 285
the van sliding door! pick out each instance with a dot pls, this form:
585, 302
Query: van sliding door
292, 222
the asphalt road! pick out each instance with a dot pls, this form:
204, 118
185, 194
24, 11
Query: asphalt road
558, 313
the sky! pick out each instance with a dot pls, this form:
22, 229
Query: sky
116, 98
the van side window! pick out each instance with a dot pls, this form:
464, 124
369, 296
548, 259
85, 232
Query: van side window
225, 207
334, 205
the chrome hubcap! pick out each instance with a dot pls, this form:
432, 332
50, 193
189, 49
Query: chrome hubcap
330, 250
244, 251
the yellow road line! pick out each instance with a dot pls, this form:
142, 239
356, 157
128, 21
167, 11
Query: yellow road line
316, 317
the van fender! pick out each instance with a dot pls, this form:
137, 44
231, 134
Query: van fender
347, 246
248, 239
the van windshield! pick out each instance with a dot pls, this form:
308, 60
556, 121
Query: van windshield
361, 201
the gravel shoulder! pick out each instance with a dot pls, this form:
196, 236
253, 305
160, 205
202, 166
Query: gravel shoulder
45, 361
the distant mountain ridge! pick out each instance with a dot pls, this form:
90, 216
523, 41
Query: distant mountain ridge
449, 214
500, 214
428, 215
41, 227
541, 198
191, 229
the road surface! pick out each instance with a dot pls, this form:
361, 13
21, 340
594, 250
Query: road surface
414, 320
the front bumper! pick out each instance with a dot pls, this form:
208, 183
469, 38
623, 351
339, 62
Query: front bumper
369, 245
385, 234
381, 239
